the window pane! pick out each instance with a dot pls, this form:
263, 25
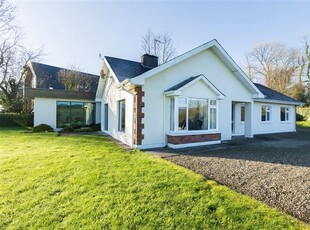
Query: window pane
63, 114
263, 113
106, 112
212, 118
213, 102
172, 114
89, 113
242, 113
282, 114
198, 115
77, 113
287, 114
121, 115
182, 118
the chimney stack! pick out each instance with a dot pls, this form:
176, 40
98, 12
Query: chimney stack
149, 61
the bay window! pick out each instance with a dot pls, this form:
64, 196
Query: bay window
191, 114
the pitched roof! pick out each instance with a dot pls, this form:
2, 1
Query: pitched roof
271, 94
181, 84
47, 76
124, 69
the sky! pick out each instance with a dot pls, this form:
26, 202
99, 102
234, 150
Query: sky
75, 32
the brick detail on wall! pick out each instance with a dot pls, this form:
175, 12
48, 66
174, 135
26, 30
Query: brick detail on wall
138, 115
187, 139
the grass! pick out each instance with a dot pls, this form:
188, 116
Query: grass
88, 182
303, 124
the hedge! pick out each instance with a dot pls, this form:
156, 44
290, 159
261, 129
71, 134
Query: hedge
16, 120
303, 113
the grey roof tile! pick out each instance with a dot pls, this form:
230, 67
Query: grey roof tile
182, 83
274, 95
124, 69
47, 76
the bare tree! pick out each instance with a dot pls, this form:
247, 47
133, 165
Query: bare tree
160, 45
13, 58
273, 64
75, 80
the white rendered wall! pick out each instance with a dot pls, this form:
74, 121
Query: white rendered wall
275, 125
156, 110
111, 96
45, 110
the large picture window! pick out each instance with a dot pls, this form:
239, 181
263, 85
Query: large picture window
266, 113
121, 115
69, 113
284, 114
193, 114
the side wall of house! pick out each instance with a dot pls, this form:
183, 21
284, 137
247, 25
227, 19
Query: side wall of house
275, 125
157, 111
45, 110
111, 96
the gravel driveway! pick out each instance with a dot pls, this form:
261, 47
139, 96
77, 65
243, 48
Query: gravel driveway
274, 169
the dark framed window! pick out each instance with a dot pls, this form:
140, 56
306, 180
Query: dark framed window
71, 112
121, 115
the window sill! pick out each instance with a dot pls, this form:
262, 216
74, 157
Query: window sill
184, 133
266, 122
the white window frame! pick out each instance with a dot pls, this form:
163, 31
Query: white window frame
287, 114
176, 115
268, 111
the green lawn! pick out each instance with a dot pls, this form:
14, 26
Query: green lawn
51, 182
303, 124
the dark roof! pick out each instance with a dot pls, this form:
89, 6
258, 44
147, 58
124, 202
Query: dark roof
181, 84
271, 94
124, 69
58, 93
47, 76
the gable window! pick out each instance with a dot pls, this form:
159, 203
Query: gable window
242, 113
121, 115
284, 113
266, 113
192, 114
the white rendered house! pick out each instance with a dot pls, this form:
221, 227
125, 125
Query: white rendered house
201, 97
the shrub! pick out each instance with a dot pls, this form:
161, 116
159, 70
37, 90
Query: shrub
303, 114
84, 129
16, 119
96, 127
43, 128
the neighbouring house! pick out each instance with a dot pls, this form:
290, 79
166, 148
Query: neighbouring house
57, 106
198, 98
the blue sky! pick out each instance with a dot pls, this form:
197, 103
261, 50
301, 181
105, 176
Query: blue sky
75, 32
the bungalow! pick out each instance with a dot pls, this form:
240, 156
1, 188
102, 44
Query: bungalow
200, 97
